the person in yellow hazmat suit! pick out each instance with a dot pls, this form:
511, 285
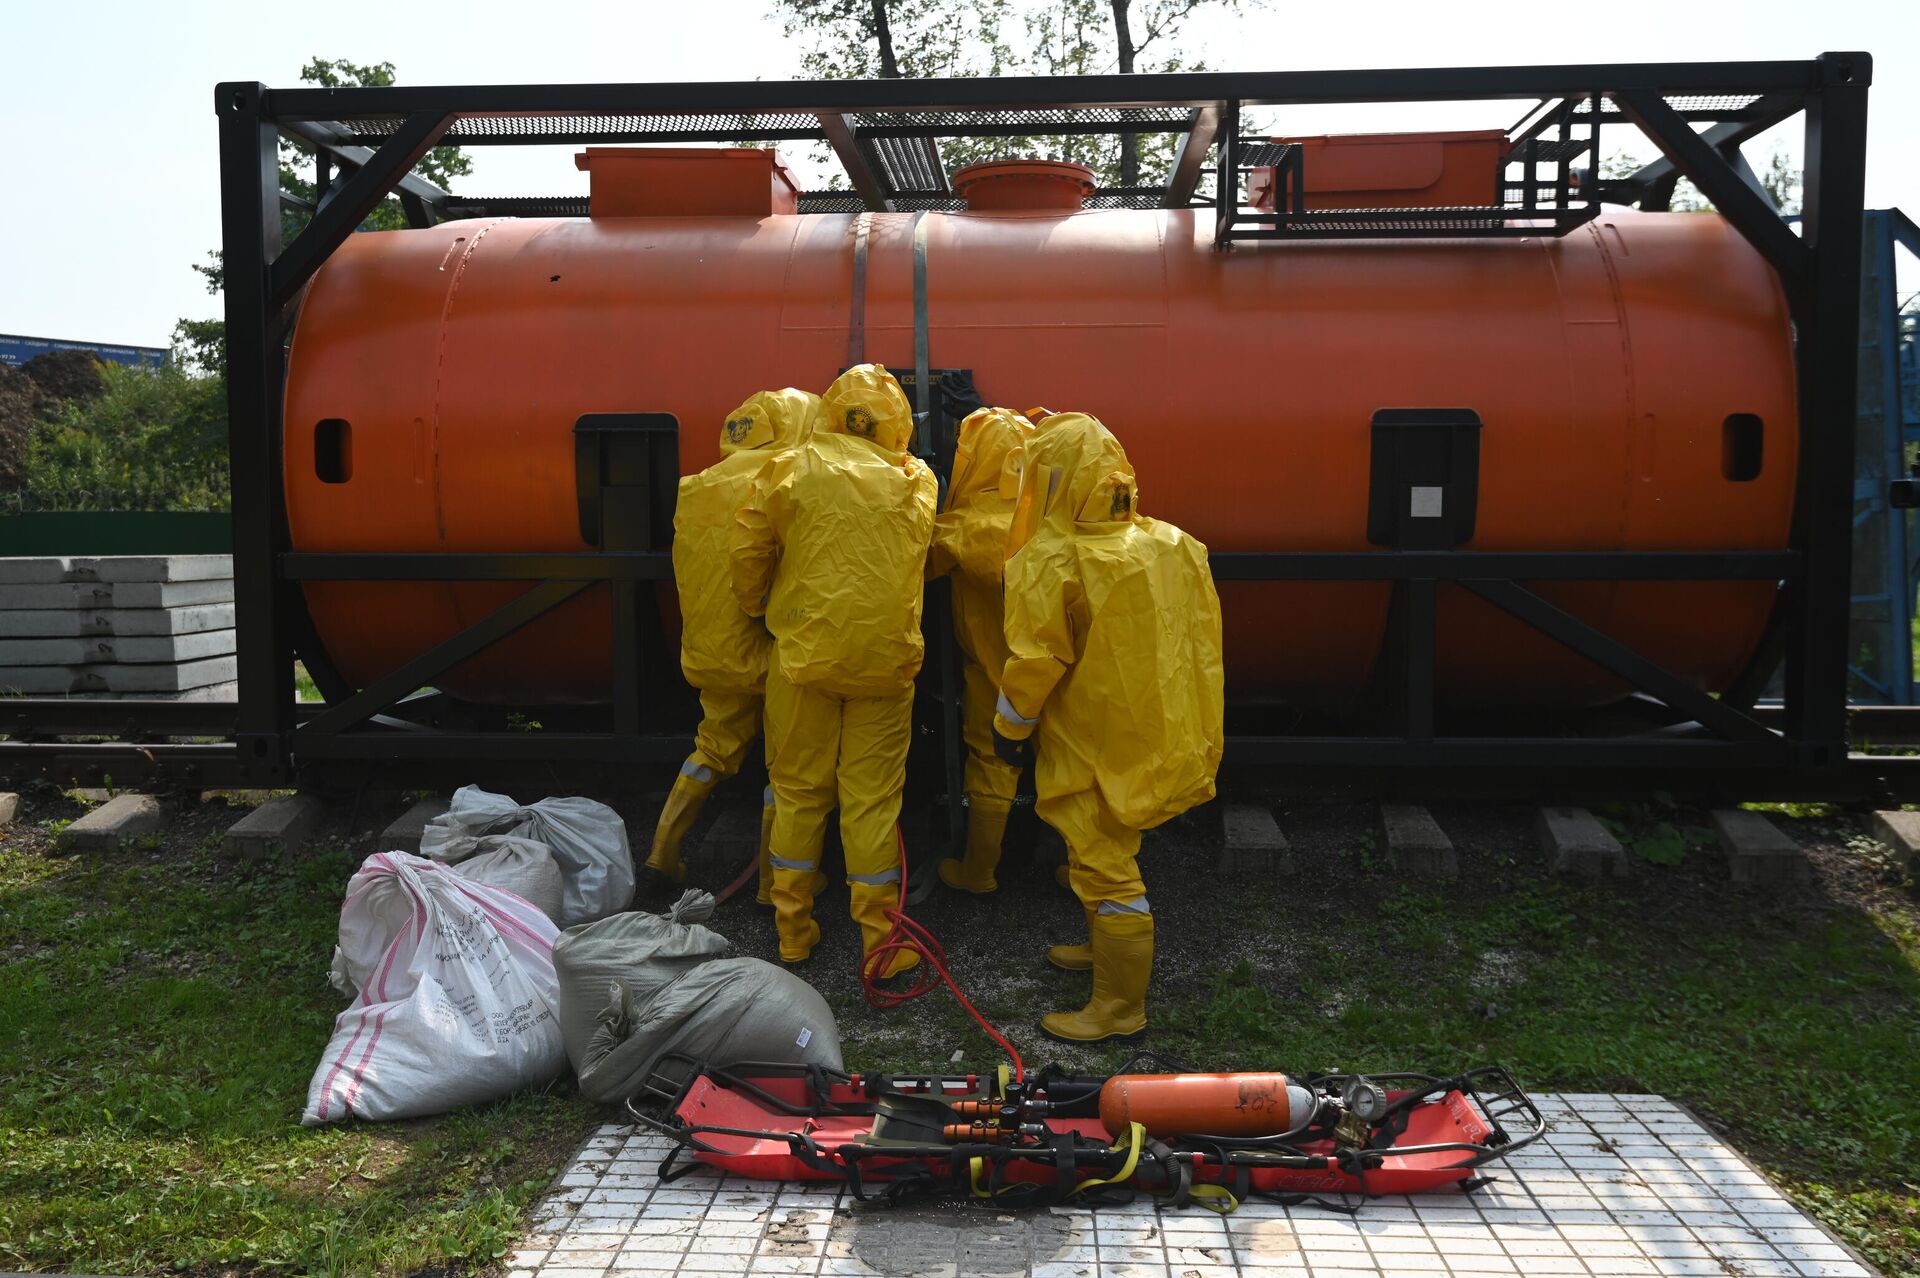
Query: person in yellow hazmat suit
832, 550
723, 651
1113, 631
970, 542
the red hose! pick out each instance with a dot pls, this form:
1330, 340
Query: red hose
740, 880
908, 937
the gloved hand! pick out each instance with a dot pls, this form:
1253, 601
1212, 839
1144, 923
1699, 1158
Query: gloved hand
1017, 753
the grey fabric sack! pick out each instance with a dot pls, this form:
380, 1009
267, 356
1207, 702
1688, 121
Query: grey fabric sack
588, 841
520, 866
636, 987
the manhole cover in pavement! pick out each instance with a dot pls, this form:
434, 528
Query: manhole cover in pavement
951, 1242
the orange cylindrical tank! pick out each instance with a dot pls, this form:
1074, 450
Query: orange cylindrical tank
1605, 367
1204, 1104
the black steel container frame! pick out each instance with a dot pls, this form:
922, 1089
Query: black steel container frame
1803, 744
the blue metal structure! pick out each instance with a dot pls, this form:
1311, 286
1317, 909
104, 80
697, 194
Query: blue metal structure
16, 350
1886, 540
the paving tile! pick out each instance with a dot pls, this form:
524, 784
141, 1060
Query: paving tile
1621, 1186
1330, 1243
1375, 1228
1402, 1246
1676, 1248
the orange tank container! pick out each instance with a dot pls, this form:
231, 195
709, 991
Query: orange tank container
1202, 1104
1604, 366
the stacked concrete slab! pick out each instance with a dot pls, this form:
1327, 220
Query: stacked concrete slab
120, 626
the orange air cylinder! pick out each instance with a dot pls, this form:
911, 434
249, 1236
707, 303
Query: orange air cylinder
1634, 380
1204, 1104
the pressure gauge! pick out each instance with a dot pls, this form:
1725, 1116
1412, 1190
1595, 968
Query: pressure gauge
1365, 1100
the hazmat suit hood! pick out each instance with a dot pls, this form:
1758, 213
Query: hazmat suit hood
722, 649
1113, 637
867, 402
769, 419
1074, 472
970, 547
987, 457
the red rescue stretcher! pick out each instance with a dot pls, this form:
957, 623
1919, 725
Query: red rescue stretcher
1209, 1140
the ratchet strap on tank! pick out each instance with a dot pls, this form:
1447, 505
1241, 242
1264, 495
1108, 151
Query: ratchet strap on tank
857, 319
922, 393
857, 309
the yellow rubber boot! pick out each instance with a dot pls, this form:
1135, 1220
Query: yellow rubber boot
793, 914
1074, 958
869, 905
1122, 965
684, 801
986, 828
765, 895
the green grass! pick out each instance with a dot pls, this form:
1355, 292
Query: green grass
1789, 1019
160, 1014
304, 688
1797, 1035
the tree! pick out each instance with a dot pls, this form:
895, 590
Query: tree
919, 38
1780, 178
439, 166
157, 439
200, 345
154, 439
896, 39
1158, 20
1093, 37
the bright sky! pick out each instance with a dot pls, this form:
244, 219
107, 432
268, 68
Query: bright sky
110, 190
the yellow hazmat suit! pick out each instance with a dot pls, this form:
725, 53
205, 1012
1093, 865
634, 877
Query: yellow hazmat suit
833, 549
1114, 632
970, 541
723, 651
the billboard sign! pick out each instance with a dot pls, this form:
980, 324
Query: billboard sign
16, 350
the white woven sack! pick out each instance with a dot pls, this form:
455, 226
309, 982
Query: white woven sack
456, 1000
519, 866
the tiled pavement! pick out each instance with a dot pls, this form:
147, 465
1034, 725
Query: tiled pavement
1621, 1185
